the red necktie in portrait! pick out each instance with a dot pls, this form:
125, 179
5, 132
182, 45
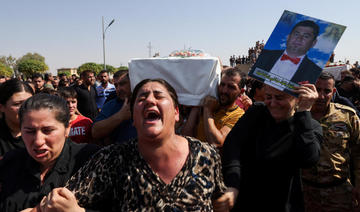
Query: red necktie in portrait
292, 59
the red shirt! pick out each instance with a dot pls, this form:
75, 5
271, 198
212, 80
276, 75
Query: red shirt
80, 131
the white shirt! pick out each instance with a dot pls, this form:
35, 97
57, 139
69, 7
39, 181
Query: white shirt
284, 69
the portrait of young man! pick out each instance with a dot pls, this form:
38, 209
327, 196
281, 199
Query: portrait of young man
287, 63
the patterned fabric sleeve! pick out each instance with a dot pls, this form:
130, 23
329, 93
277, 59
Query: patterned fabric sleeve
355, 147
93, 184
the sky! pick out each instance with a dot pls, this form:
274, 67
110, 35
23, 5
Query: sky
68, 33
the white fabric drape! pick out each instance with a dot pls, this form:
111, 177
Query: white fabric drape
192, 78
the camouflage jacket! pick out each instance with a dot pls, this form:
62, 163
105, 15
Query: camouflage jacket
340, 150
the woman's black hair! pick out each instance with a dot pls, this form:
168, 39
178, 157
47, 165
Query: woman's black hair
67, 92
168, 87
255, 84
63, 83
12, 86
46, 101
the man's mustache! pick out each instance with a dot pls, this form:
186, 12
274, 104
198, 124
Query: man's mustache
224, 94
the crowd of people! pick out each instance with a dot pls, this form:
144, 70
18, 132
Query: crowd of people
89, 143
250, 58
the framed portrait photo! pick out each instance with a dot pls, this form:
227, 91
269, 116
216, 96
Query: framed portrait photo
296, 51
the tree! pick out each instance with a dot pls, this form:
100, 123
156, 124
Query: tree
67, 73
5, 70
28, 56
123, 68
30, 67
110, 69
32, 56
9, 61
90, 66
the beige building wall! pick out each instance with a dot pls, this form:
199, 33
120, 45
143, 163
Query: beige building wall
71, 70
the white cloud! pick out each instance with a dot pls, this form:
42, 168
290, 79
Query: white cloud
283, 43
318, 62
325, 45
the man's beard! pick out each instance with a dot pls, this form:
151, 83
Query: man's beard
226, 101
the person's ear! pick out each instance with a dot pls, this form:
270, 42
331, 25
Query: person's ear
177, 114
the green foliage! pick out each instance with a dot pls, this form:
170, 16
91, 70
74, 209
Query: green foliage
67, 73
3, 59
110, 69
32, 56
96, 68
28, 56
8, 61
30, 67
5, 70
123, 68
90, 66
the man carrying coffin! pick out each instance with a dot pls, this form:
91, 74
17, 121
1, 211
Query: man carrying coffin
216, 117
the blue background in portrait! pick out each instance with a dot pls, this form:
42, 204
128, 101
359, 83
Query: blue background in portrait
288, 20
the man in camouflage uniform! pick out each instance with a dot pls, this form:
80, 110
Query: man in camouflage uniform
333, 184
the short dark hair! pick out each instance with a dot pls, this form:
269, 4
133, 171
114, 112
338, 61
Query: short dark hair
103, 71
120, 73
67, 92
47, 76
348, 78
37, 75
46, 101
168, 87
48, 91
255, 84
231, 72
308, 23
326, 75
63, 82
86, 72
62, 74
12, 86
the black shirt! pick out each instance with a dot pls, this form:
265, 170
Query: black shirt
337, 98
262, 159
20, 184
7, 141
86, 101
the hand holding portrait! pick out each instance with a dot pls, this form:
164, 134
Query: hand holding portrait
307, 95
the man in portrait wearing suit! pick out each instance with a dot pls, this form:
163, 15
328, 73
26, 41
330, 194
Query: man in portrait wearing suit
292, 63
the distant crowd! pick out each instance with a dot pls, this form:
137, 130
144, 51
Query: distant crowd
250, 58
